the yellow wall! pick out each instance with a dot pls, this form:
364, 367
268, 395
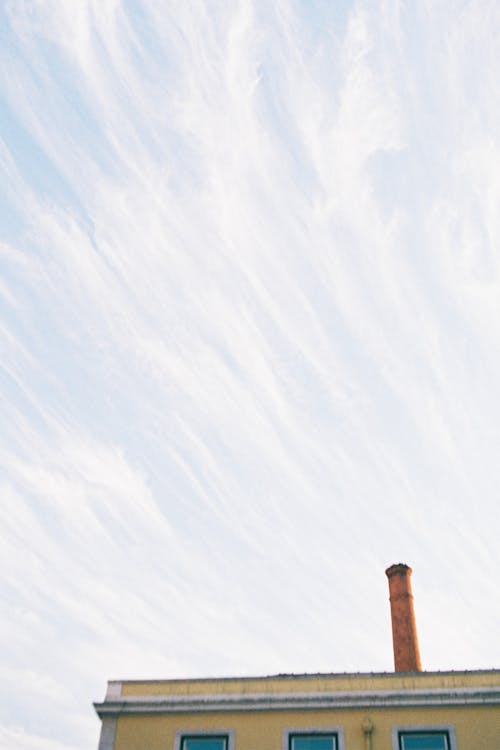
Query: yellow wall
476, 728
307, 683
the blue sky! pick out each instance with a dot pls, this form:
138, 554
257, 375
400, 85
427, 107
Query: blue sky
250, 342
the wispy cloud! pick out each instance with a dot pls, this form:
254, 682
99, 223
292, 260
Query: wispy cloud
249, 341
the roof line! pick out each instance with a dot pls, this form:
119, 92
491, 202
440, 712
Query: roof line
306, 675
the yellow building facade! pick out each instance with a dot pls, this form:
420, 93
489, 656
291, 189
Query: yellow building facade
390, 711
408, 709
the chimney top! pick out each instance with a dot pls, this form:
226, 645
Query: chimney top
398, 569
404, 628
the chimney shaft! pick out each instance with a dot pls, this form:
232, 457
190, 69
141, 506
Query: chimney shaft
404, 629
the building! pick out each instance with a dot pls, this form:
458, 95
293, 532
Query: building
407, 709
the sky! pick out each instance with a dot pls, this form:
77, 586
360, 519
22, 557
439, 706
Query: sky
249, 342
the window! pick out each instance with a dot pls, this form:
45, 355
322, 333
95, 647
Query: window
312, 742
204, 740
313, 739
424, 741
424, 738
204, 743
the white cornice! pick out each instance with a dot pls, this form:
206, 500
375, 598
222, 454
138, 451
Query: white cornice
430, 697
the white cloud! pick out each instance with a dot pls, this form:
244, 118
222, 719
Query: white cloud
249, 319
20, 739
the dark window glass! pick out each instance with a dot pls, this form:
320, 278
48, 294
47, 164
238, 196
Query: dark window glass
313, 742
204, 743
424, 741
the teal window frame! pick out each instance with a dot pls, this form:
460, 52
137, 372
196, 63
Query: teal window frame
223, 738
445, 731
336, 733
182, 737
306, 735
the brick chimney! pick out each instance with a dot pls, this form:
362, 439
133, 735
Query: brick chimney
404, 628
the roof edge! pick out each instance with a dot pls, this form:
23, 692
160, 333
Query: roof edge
307, 675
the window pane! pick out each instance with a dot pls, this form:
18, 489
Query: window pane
313, 742
424, 741
204, 743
